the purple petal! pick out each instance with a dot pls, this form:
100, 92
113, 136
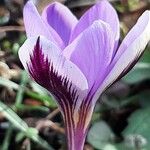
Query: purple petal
129, 52
45, 63
101, 11
92, 51
35, 26
137, 31
60, 19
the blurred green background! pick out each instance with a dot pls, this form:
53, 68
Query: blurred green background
29, 117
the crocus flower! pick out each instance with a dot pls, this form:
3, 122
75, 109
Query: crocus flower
76, 60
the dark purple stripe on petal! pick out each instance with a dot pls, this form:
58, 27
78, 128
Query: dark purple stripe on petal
127, 69
85, 109
43, 72
130, 66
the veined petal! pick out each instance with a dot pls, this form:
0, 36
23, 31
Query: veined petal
92, 51
138, 30
129, 52
60, 18
101, 11
45, 63
35, 26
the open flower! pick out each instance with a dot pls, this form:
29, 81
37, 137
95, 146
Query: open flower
77, 60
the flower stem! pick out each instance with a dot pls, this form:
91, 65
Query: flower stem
77, 126
76, 134
76, 139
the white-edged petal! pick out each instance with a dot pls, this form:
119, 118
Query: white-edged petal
64, 67
128, 55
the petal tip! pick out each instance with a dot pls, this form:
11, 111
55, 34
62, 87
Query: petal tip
28, 4
28, 7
